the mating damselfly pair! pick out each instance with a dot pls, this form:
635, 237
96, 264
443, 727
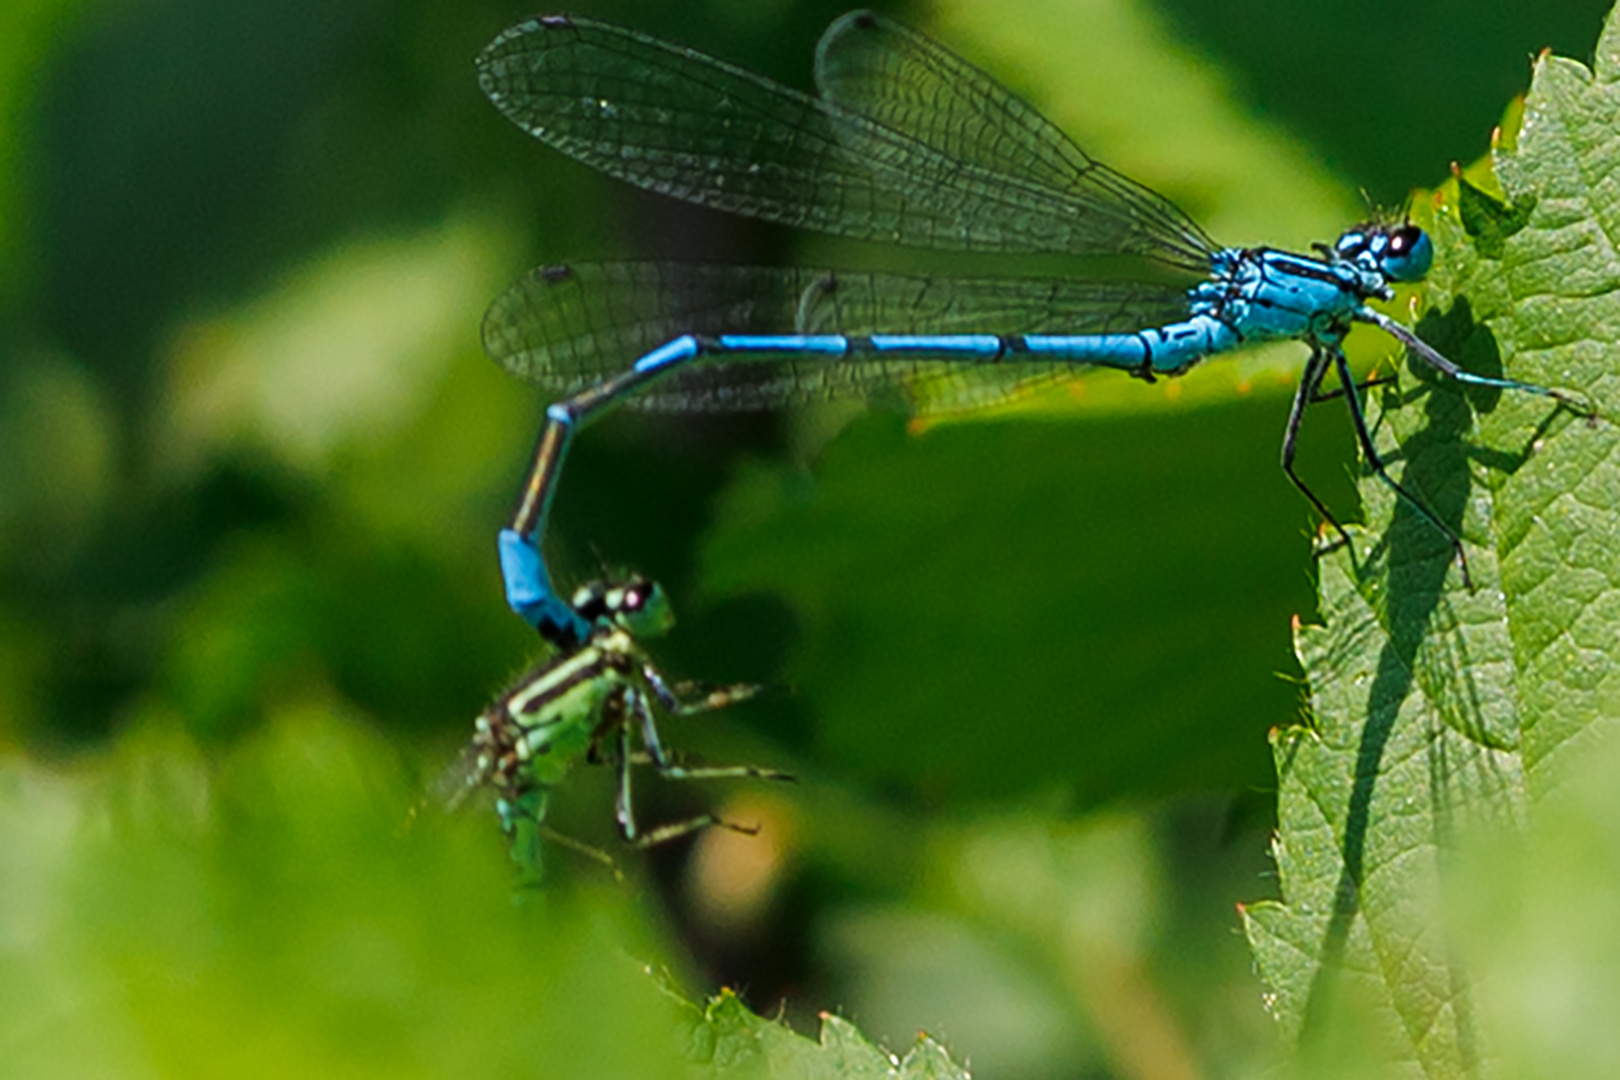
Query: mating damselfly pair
908, 144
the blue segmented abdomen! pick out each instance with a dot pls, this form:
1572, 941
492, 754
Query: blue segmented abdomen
1160, 350
567, 328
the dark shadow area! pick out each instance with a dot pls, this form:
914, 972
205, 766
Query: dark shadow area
1429, 81
1411, 564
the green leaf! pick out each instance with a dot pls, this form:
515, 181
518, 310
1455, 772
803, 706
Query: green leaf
1535, 921
994, 586
274, 914
1488, 221
278, 912
1436, 709
732, 1043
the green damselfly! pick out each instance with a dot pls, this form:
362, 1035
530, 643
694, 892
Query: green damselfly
596, 701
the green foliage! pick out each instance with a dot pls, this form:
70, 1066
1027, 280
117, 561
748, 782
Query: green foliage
1533, 916
251, 462
1443, 718
734, 1044
993, 586
275, 913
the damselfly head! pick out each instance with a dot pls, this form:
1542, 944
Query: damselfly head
1400, 251
635, 605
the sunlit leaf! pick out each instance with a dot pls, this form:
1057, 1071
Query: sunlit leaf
1434, 708
734, 1044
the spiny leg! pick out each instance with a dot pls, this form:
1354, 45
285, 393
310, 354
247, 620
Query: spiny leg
663, 834
667, 767
1309, 383
1425, 352
689, 699
1361, 387
580, 847
624, 812
623, 808
1359, 420
674, 770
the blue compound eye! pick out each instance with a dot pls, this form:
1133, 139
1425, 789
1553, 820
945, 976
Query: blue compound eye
1407, 254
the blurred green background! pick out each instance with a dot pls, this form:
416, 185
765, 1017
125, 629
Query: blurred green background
252, 464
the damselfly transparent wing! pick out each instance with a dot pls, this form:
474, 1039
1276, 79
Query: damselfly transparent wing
565, 328
874, 160
461, 779
965, 136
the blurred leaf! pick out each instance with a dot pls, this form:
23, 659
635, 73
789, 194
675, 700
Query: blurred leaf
344, 351
273, 915
57, 459
278, 615
733, 1042
986, 589
1204, 145
1427, 79
1002, 999
1437, 709
1535, 922
28, 32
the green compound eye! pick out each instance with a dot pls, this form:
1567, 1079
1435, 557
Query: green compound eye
644, 610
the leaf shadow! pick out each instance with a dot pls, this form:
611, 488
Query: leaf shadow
1425, 651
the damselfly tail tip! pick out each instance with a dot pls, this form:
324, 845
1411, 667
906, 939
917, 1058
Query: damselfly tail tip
1579, 404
